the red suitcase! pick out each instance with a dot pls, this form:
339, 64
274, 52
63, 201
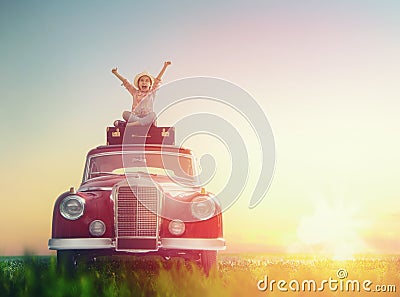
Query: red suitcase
138, 135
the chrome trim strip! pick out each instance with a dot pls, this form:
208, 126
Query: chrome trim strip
89, 189
193, 243
80, 243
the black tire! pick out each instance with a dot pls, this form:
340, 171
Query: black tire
67, 261
208, 261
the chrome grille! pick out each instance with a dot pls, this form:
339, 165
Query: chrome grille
136, 212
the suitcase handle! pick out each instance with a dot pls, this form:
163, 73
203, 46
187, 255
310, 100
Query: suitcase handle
144, 136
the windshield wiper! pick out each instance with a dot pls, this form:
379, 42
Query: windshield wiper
104, 173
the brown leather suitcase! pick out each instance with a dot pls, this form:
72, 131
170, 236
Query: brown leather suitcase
138, 135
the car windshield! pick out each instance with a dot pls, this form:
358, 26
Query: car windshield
173, 165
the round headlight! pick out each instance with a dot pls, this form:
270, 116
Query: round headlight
97, 228
203, 207
72, 207
176, 227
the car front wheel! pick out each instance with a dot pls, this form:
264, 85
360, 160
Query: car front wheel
67, 260
208, 260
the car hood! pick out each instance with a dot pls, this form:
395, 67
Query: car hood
107, 181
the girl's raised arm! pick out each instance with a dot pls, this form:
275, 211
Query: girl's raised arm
119, 76
166, 64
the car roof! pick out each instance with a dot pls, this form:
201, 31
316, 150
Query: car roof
138, 148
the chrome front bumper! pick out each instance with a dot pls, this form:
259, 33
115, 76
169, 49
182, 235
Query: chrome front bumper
109, 243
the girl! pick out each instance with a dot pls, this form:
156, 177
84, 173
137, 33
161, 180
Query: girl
143, 93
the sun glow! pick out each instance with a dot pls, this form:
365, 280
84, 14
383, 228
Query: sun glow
332, 230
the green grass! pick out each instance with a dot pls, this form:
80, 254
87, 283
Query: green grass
237, 276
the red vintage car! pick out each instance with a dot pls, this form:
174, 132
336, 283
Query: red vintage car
138, 200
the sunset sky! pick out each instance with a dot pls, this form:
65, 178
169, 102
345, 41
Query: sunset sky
326, 74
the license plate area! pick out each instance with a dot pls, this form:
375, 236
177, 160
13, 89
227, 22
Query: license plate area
126, 244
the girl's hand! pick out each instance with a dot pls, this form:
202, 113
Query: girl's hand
167, 63
114, 70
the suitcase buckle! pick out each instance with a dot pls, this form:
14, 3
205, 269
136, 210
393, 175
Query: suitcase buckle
164, 133
116, 133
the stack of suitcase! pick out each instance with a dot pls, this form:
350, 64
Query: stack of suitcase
141, 135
